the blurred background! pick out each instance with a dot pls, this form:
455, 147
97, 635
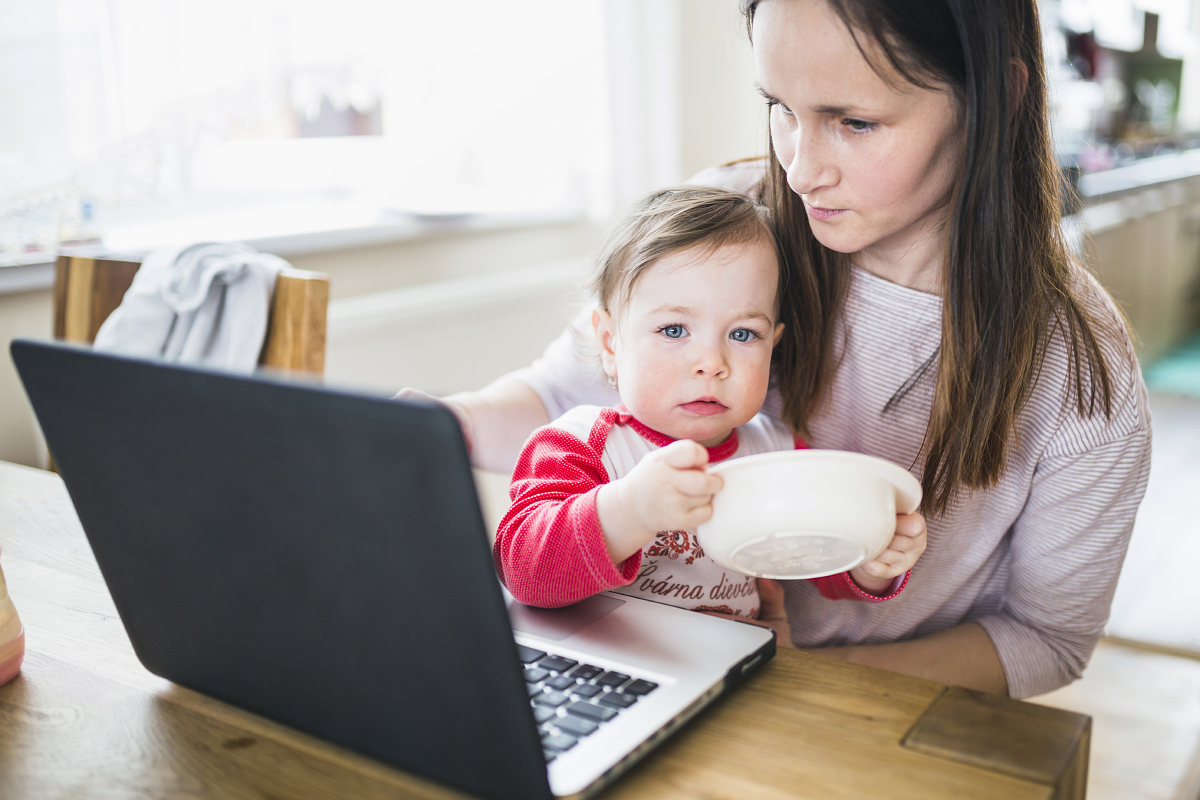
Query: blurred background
450, 170
396, 145
451, 167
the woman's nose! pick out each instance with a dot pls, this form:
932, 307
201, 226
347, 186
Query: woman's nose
810, 167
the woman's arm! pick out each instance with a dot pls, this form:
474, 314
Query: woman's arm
963, 656
1065, 550
497, 420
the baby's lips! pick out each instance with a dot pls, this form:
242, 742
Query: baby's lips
704, 407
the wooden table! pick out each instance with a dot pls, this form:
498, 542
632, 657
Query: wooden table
86, 720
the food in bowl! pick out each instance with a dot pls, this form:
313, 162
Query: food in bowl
805, 513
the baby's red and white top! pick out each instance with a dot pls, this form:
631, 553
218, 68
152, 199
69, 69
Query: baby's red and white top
550, 549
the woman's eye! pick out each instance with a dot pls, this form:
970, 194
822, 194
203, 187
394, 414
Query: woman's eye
858, 125
743, 335
672, 331
775, 105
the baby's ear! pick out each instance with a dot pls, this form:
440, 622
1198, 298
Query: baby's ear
604, 328
778, 334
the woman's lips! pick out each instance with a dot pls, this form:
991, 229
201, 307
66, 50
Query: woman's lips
823, 214
704, 408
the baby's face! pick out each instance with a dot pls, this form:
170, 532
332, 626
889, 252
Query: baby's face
691, 350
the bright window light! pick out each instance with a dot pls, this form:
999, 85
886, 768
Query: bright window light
135, 121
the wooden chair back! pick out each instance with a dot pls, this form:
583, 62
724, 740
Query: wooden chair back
87, 290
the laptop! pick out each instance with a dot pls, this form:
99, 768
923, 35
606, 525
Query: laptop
319, 557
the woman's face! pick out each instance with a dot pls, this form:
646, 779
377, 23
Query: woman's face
874, 163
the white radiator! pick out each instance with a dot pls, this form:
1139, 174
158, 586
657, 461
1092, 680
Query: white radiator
454, 335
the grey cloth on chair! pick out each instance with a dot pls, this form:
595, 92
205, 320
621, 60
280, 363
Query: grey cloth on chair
202, 303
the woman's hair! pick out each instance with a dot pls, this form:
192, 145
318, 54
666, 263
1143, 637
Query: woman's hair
671, 220
1010, 281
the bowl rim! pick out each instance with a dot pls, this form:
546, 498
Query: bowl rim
907, 488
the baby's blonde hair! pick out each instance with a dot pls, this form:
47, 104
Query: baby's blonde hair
668, 221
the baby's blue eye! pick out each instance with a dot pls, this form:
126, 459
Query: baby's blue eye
673, 331
743, 335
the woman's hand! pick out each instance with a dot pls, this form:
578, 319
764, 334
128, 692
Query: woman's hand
668, 490
464, 419
495, 421
771, 613
907, 545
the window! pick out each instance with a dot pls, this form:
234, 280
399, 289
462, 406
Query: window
138, 122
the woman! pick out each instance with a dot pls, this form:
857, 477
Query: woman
934, 318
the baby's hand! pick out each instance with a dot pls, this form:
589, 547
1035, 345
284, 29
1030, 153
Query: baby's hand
667, 490
908, 542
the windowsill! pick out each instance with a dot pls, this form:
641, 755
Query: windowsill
37, 270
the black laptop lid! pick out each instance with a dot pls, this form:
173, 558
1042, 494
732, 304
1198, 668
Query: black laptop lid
313, 556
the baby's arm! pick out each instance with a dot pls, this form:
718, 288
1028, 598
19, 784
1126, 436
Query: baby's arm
550, 550
907, 545
668, 490
886, 576
570, 533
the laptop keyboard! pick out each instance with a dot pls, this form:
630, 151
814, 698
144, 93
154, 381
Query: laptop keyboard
572, 700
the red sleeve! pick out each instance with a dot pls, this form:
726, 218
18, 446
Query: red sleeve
842, 586
549, 548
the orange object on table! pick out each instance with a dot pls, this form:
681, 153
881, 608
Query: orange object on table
12, 636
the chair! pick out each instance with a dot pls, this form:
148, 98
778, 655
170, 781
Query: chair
87, 290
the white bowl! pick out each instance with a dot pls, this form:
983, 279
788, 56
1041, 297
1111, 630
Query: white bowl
805, 513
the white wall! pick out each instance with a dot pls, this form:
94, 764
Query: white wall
722, 116
683, 96
453, 335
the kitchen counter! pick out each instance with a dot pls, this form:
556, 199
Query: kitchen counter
1139, 232
1141, 174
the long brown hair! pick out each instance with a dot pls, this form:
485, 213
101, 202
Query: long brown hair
1010, 281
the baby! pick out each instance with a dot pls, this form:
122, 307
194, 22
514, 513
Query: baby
688, 290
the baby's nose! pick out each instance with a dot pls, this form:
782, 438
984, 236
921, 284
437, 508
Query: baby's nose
710, 364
